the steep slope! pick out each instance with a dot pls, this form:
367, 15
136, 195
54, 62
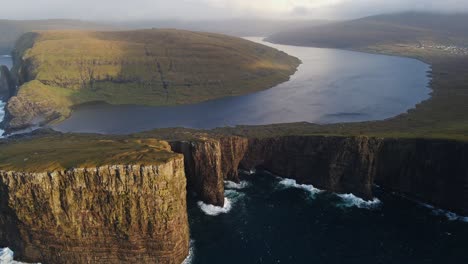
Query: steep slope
403, 28
60, 69
75, 199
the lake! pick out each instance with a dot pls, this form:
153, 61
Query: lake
330, 86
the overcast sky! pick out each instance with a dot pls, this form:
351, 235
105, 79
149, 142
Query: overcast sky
206, 9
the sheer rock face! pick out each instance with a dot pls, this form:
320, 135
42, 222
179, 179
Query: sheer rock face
233, 150
337, 164
432, 171
109, 214
428, 170
203, 168
7, 86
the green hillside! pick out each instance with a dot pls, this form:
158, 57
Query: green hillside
437, 39
60, 69
402, 28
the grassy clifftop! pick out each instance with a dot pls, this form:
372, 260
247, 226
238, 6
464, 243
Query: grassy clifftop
59, 152
60, 69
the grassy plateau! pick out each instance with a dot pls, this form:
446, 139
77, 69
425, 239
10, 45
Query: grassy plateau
60, 69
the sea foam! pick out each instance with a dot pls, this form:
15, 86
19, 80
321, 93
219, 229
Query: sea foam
189, 258
2, 115
451, 216
289, 183
351, 200
213, 210
231, 197
236, 186
6, 257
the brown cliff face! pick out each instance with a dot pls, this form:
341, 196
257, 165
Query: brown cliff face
109, 214
203, 168
428, 170
337, 164
233, 150
432, 171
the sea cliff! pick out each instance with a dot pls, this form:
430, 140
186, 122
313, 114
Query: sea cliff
7, 86
427, 170
108, 214
120, 213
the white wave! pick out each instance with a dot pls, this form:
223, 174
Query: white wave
248, 172
6, 257
213, 210
236, 186
191, 254
289, 183
2, 115
351, 200
5, 56
451, 216
231, 198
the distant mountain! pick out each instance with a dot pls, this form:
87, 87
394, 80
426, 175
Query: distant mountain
11, 30
233, 27
402, 28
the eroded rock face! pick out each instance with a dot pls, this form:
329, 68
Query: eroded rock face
109, 214
21, 113
233, 150
432, 171
7, 85
203, 168
337, 164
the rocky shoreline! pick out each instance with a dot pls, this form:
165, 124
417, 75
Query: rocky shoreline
118, 213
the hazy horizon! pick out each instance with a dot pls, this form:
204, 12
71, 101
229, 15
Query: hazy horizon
119, 10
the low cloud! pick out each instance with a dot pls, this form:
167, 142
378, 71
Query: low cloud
217, 9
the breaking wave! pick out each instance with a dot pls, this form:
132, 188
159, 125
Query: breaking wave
351, 200
2, 115
248, 172
236, 186
451, 216
231, 197
289, 183
213, 210
6, 257
189, 258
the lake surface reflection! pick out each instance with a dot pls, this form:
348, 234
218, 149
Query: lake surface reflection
330, 86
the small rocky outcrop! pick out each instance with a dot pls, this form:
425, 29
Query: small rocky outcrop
7, 84
108, 214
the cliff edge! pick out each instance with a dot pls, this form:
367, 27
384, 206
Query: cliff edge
91, 212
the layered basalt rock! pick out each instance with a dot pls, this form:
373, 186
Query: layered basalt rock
108, 214
428, 170
203, 168
342, 165
432, 171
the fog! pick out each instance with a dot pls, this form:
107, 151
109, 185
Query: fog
218, 9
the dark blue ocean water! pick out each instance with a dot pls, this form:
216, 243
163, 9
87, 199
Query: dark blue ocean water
330, 86
274, 221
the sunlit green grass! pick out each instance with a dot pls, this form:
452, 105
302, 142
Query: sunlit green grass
144, 67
